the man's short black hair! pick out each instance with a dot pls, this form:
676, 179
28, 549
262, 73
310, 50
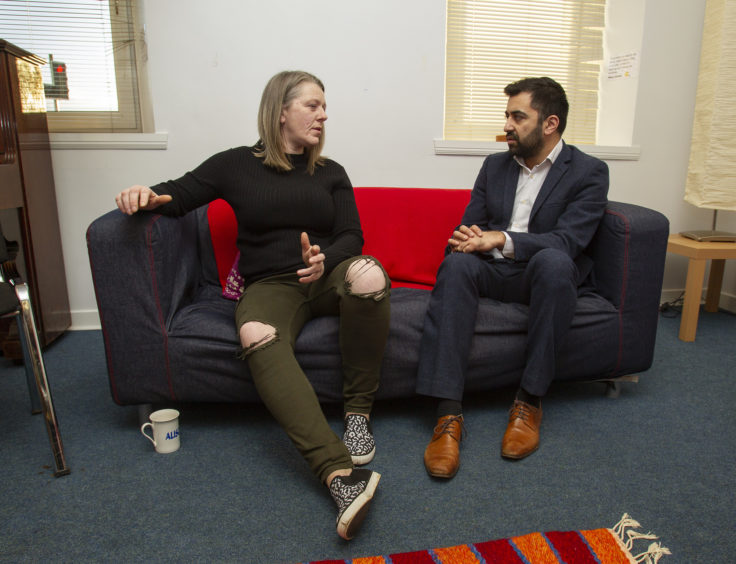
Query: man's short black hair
548, 97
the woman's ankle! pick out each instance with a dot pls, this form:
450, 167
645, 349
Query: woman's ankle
339, 472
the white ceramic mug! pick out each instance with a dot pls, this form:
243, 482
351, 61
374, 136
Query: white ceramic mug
165, 426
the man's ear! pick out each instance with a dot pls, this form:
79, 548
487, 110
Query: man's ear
551, 124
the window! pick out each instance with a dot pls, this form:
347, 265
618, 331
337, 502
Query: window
91, 81
491, 43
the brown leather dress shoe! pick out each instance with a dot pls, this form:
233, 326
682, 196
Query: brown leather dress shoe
522, 433
442, 456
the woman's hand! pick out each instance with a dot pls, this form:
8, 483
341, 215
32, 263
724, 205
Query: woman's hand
137, 198
313, 259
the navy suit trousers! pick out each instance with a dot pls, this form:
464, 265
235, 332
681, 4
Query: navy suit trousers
547, 284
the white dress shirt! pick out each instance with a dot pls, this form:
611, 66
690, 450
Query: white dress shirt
527, 189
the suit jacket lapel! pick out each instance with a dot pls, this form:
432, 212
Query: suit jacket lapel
509, 190
559, 168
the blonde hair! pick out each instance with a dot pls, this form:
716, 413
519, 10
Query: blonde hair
278, 94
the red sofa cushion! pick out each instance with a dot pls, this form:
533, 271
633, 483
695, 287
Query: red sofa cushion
406, 229
224, 234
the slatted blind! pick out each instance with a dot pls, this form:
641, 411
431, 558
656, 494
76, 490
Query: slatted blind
94, 42
491, 43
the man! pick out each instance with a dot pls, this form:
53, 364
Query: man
532, 212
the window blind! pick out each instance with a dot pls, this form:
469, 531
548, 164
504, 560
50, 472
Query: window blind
91, 78
491, 43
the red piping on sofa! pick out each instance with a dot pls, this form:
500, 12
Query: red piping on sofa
159, 310
624, 283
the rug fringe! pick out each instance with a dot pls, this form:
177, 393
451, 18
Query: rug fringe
654, 551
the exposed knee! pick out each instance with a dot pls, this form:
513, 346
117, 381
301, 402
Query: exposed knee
366, 279
255, 335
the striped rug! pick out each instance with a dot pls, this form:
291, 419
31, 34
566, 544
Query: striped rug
596, 546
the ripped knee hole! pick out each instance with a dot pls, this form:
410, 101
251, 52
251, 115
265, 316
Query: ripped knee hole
254, 335
366, 279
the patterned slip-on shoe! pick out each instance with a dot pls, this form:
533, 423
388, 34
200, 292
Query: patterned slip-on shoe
353, 495
358, 438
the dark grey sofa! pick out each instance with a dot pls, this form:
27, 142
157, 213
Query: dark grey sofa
169, 334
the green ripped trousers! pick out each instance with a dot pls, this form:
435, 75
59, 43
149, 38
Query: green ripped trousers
286, 304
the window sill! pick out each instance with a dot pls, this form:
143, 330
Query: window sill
138, 141
485, 148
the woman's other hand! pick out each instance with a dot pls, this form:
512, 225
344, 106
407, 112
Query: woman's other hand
313, 259
137, 198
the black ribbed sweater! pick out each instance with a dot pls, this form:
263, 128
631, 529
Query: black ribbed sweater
273, 208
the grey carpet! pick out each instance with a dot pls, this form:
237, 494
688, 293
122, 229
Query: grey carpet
664, 452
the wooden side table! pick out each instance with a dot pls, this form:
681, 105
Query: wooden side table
699, 253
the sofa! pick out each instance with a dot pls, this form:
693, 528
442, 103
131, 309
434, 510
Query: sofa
169, 334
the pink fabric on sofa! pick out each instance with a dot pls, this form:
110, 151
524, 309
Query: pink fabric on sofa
235, 283
404, 228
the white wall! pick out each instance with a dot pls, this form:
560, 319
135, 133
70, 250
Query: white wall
382, 63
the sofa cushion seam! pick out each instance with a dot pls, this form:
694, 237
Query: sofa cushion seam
157, 300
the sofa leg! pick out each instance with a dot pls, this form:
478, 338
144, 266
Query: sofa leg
613, 390
613, 386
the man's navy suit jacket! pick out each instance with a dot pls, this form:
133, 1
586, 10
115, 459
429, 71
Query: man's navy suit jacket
565, 214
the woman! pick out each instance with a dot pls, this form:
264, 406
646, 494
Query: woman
300, 240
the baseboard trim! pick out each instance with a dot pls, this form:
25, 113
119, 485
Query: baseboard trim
85, 320
727, 301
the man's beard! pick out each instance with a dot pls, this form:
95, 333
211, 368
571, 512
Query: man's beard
530, 146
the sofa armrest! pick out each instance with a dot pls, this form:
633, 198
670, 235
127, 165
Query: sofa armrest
143, 268
629, 251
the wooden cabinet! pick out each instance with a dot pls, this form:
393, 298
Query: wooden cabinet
27, 185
